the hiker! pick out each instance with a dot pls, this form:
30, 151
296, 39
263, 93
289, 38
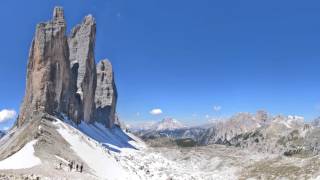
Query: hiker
60, 165
70, 166
81, 168
77, 167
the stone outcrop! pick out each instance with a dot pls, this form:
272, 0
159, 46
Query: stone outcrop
62, 77
106, 94
81, 43
48, 74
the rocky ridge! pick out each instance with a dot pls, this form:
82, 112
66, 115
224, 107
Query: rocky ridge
258, 132
62, 74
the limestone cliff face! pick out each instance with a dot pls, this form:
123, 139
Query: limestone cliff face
62, 77
106, 94
81, 43
48, 74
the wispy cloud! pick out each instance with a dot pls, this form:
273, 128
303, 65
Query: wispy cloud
156, 111
7, 114
217, 108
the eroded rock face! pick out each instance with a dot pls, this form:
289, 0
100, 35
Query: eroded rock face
62, 77
106, 94
48, 74
81, 43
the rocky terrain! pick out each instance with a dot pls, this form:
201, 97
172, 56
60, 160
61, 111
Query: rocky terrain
226, 162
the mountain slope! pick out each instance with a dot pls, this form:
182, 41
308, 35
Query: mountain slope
55, 141
105, 153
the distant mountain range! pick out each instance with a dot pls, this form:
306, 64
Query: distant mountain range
260, 132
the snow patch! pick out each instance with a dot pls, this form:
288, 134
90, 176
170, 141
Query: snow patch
92, 153
22, 159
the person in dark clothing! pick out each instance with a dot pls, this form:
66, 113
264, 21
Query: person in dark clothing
71, 164
60, 165
81, 168
77, 167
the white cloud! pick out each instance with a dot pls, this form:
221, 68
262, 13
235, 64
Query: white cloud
217, 108
5, 128
156, 111
7, 114
207, 116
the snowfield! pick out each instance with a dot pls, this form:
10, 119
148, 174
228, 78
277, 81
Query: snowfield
93, 154
22, 159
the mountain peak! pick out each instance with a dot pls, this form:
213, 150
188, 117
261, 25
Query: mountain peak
168, 124
62, 74
58, 13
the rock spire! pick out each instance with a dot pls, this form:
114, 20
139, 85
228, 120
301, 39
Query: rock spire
106, 94
62, 74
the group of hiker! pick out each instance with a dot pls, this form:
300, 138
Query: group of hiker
72, 165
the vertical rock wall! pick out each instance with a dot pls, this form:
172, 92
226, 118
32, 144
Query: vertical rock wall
62, 77
48, 73
81, 43
106, 94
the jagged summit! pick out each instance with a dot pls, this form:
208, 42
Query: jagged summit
58, 13
82, 43
62, 74
168, 124
48, 72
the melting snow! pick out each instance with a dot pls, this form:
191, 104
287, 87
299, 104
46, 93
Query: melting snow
92, 153
22, 159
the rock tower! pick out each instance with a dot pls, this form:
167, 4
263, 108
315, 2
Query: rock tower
62, 74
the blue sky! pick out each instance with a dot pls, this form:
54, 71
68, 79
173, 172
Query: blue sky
185, 57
